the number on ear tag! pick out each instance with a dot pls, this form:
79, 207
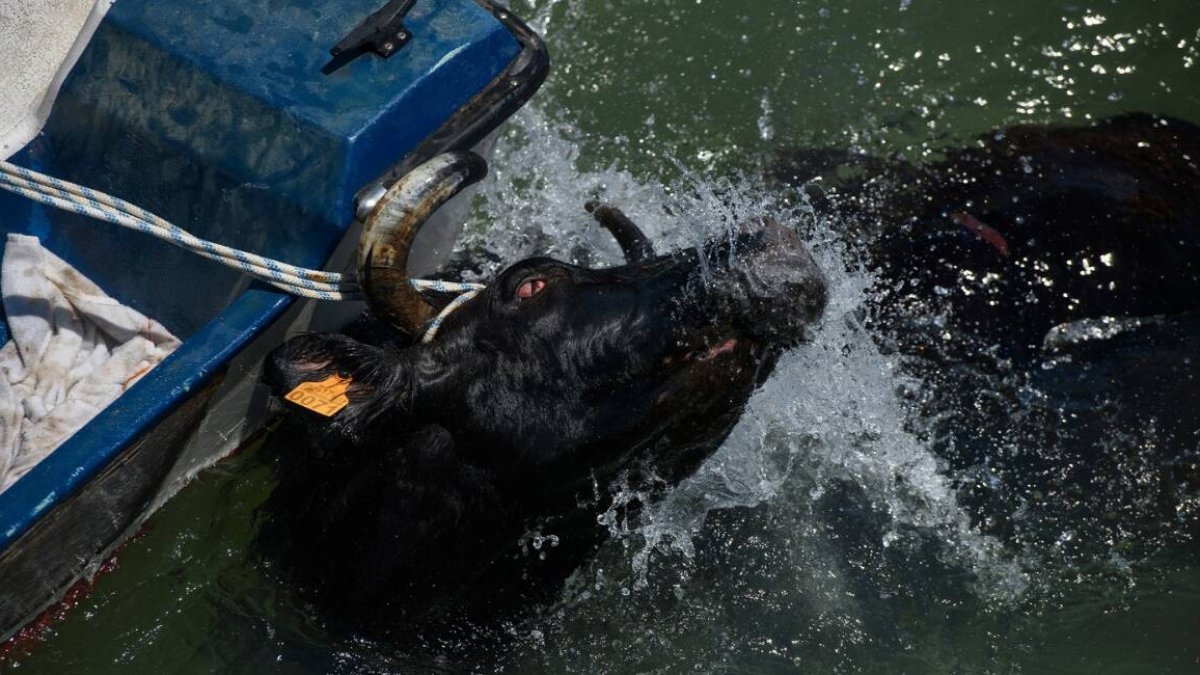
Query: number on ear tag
326, 397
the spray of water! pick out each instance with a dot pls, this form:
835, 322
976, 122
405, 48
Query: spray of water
831, 414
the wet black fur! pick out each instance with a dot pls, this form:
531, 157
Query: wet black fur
409, 508
407, 514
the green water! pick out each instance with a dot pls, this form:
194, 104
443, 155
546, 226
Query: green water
698, 79
761, 564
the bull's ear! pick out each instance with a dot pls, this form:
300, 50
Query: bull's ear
338, 383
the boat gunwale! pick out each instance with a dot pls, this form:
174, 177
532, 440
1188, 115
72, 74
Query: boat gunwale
53, 482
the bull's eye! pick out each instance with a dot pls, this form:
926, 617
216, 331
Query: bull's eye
530, 288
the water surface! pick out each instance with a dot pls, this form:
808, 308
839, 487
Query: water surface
836, 530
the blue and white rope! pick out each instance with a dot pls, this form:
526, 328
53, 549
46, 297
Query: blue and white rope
85, 201
296, 280
465, 291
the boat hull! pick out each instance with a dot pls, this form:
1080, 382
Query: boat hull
61, 521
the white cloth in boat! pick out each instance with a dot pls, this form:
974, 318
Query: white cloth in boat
73, 351
45, 37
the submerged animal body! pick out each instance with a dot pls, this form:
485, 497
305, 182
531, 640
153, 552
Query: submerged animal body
1043, 283
1052, 271
1028, 227
405, 511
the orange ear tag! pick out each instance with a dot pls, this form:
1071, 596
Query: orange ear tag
326, 397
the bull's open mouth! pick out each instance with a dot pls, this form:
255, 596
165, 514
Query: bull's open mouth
718, 357
705, 347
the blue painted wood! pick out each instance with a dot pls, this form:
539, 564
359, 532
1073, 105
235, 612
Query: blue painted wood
216, 116
242, 68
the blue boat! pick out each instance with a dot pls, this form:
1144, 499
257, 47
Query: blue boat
230, 119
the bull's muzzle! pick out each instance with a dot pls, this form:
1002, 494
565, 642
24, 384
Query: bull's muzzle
769, 282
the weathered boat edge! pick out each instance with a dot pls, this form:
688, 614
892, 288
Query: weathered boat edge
96, 510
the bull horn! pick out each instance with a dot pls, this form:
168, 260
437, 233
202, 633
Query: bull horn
394, 222
633, 242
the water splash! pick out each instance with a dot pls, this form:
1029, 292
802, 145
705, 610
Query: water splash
830, 415
1075, 333
532, 202
766, 127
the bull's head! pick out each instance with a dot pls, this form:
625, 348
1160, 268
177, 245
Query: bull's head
565, 373
552, 380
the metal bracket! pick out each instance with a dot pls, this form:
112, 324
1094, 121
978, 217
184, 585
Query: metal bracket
502, 97
382, 33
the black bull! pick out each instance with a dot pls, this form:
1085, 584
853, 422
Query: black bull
406, 508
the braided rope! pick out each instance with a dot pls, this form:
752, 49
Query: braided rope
301, 281
432, 329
